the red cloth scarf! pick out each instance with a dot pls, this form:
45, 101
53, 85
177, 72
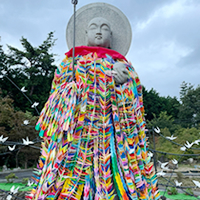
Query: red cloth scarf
101, 52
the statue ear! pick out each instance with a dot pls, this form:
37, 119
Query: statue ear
86, 37
110, 46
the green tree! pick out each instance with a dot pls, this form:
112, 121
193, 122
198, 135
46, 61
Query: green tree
171, 106
155, 104
3, 68
3, 58
32, 67
11, 126
189, 113
152, 104
162, 121
183, 135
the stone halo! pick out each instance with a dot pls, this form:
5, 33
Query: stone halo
120, 26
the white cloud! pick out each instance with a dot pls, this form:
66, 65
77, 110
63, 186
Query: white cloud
176, 8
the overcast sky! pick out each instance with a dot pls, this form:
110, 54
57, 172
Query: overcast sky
165, 48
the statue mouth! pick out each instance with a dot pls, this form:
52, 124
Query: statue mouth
98, 37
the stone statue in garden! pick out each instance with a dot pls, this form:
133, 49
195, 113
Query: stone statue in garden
93, 128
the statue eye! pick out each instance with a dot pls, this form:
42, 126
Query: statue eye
92, 26
105, 27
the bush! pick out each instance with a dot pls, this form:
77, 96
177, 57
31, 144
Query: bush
172, 191
10, 177
25, 181
189, 191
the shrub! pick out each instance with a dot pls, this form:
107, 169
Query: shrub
172, 191
189, 191
10, 177
25, 181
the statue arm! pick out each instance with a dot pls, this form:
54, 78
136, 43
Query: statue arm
120, 73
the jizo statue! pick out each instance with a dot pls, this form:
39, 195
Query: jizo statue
92, 126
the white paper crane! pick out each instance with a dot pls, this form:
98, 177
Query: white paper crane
14, 190
26, 122
29, 183
171, 137
157, 130
3, 139
35, 104
9, 197
162, 165
174, 161
183, 148
27, 142
150, 154
23, 89
196, 142
177, 183
188, 145
11, 148
196, 183
161, 173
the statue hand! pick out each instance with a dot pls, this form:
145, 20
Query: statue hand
121, 73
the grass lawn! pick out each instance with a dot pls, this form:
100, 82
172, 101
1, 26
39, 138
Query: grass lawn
23, 187
178, 196
7, 186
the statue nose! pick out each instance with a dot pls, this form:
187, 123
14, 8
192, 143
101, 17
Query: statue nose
98, 31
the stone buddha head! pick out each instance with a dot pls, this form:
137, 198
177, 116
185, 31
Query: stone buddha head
99, 33
100, 24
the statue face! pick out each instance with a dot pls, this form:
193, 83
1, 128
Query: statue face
99, 33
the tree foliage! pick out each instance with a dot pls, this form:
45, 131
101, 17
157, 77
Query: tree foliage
32, 67
189, 110
11, 126
155, 104
164, 121
183, 135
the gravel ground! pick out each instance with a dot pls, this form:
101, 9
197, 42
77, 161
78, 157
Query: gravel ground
20, 196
